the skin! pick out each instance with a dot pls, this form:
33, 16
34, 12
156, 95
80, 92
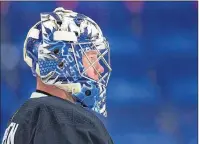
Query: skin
91, 72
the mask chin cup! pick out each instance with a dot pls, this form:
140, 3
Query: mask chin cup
73, 88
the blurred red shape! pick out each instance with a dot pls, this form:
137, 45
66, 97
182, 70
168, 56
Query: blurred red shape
134, 6
70, 5
4, 7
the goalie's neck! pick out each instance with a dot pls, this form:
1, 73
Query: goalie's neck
53, 91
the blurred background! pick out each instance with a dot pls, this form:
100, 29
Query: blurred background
152, 94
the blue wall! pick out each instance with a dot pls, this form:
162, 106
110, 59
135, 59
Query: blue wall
152, 94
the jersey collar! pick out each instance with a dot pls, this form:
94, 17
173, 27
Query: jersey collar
39, 94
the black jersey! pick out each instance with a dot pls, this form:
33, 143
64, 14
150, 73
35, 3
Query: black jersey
45, 119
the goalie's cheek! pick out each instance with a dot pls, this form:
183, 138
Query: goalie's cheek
91, 73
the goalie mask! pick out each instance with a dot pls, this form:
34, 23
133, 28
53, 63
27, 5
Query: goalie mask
68, 50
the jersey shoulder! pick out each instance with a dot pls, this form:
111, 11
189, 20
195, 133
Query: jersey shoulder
53, 115
53, 110
66, 112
